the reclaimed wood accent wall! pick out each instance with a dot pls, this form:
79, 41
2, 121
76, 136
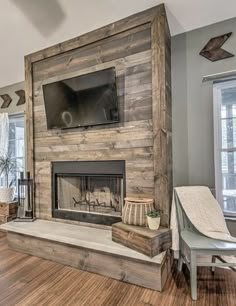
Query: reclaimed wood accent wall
139, 48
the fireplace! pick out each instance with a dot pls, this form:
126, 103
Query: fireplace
88, 191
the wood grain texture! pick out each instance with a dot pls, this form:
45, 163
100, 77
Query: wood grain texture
107, 31
8, 211
130, 140
112, 48
8, 208
161, 115
6, 218
138, 47
29, 117
213, 51
142, 239
27, 280
134, 271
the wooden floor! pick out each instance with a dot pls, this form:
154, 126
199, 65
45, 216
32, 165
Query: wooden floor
29, 280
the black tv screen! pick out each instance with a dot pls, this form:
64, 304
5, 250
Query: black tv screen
85, 100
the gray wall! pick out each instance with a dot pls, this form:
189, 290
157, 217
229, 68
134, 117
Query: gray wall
193, 103
193, 143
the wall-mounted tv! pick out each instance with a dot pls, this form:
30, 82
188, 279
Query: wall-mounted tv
86, 100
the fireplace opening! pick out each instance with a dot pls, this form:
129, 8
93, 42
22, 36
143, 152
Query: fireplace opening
92, 192
88, 193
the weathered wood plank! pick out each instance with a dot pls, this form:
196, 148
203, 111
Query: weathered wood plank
8, 208
94, 137
130, 61
161, 151
105, 51
116, 154
94, 146
29, 117
141, 239
122, 268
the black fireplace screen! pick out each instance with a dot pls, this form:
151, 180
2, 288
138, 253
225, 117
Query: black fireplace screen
94, 194
88, 191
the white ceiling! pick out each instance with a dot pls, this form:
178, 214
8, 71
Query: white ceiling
30, 25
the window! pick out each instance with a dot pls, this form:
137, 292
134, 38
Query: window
225, 145
17, 144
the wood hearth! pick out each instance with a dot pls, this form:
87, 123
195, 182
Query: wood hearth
88, 249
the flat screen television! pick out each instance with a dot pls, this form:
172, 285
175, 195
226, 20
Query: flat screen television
86, 100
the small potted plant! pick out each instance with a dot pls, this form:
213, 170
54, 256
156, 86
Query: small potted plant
7, 167
154, 218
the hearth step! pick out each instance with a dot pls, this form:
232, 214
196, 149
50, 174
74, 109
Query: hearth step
142, 239
89, 249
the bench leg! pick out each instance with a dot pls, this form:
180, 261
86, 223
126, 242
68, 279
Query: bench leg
180, 262
193, 275
213, 261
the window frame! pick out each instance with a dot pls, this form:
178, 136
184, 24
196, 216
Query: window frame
217, 88
12, 117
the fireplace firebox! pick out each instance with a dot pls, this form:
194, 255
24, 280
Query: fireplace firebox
88, 191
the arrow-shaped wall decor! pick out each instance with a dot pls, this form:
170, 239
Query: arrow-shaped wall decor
213, 50
21, 94
7, 100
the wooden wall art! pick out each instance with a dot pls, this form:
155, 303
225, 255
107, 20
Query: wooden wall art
21, 94
213, 51
7, 99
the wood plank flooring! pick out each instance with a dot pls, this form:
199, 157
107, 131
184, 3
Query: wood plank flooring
29, 280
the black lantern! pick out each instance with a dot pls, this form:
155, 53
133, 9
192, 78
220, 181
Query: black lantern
25, 198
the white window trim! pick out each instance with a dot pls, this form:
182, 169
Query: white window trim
217, 87
217, 138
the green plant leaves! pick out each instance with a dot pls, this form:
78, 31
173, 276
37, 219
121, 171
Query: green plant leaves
154, 214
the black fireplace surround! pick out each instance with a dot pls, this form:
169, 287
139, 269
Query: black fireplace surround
75, 169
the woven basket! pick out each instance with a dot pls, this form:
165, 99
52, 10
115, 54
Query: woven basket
135, 211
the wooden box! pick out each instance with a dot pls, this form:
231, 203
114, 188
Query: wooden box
5, 218
142, 239
8, 209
